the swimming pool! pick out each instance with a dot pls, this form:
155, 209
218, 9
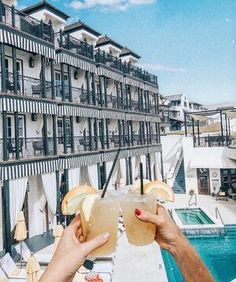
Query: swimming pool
193, 216
219, 254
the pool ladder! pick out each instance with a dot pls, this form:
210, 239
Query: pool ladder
193, 199
218, 215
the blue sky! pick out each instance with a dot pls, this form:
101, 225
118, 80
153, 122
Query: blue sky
189, 44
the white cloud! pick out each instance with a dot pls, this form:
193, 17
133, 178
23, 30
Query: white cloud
108, 4
160, 67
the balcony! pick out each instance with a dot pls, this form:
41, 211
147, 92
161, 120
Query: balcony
27, 148
109, 60
74, 45
17, 19
215, 141
28, 86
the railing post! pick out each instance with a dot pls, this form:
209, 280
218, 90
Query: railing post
54, 125
61, 38
4, 135
72, 141
45, 135
3, 68
68, 41
41, 29
51, 31
222, 129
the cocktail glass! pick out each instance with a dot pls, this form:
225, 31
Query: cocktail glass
138, 233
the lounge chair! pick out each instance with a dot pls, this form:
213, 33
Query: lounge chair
43, 256
222, 194
10, 269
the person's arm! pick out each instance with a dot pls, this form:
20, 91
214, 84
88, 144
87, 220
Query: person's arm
170, 238
71, 253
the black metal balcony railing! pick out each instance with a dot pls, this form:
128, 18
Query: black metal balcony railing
109, 60
75, 45
15, 18
27, 148
28, 86
214, 141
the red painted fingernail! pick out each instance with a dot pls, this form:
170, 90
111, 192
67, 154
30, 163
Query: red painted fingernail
137, 211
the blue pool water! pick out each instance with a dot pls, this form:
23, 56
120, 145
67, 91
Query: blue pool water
219, 254
193, 216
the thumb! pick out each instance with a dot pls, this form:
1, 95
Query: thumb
95, 243
147, 216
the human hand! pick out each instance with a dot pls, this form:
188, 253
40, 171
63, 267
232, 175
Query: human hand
71, 253
168, 235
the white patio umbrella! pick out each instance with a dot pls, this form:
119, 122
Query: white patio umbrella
33, 270
20, 231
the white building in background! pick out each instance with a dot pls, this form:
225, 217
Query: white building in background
179, 105
69, 97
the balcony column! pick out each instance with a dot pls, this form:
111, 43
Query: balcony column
95, 125
132, 133
221, 128
52, 79
149, 167
123, 133
90, 134
16, 121
130, 170
117, 96
94, 90
107, 133
157, 132
105, 90
157, 103
193, 131
88, 87
43, 79
122, 95
54, 125
119, 133
102, 134
185, 125
70, 83
3, 69
62, 83
128, 132
6, 216
45, 134
58, 212
64, 134
72, 141
4, 135
101, 90
14, 67
65, 187
129, 97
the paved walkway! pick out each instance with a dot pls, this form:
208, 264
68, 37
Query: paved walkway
138, 264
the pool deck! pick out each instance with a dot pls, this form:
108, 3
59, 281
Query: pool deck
227, 209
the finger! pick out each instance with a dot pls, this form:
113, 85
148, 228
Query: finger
147, 216
95, 243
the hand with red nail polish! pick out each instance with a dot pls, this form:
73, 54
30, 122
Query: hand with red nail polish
170, 238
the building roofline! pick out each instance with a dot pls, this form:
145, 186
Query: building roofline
108, 40
44, 4
81, 25
125, 51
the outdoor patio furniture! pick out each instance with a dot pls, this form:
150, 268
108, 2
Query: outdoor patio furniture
222, 195
11, 147
38, 147
10, 269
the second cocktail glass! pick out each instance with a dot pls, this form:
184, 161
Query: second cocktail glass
138, 233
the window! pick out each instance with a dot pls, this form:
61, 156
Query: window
58, 84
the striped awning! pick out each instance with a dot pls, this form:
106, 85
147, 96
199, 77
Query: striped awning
151, 88
138, 151
70, 110
112, 114
153, 118
154, 149
17, 170
75, 60
135, 117
26, 42
80, 160
16, 104
110, 73
134, 82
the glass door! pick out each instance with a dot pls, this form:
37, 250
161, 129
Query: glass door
58, 84
203, 181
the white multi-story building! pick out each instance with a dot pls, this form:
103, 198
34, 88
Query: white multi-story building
69, 97
179, 106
